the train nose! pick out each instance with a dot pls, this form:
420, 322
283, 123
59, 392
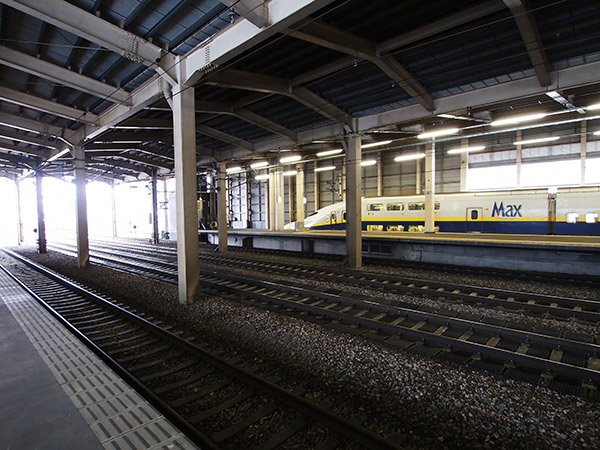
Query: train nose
290, 226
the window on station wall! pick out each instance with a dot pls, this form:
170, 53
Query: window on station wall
553, 173
497, 177
592, 171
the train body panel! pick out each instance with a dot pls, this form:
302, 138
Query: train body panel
570, 211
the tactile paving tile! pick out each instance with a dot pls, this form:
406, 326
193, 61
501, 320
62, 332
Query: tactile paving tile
118, 415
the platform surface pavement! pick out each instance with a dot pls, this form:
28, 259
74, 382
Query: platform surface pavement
56, 394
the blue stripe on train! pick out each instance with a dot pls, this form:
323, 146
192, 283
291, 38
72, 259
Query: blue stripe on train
501, 227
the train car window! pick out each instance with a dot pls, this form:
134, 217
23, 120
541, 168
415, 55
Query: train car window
474, 214
420, 206
395, 206
375, 207
344, 216
591, 218
572, 217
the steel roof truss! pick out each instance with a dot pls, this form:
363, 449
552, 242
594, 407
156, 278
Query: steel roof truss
52, 72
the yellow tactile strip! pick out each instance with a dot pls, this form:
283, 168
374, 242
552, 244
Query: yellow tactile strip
118, 416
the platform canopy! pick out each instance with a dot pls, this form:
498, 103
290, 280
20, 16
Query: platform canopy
278, 74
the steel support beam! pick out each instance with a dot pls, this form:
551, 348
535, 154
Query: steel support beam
21, 123
354, 202
68, 17
52, 72
222, 136
24, 150
184, 130
47, 106
83, 245
300, 198
336, 39
222, 208
254, 11
155, 238
243, 35
28, 139
531, 38
144, 96
249, 81
430, 188
39, 176
276, 191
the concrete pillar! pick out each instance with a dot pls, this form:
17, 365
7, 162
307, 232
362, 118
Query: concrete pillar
40, 212
166, 208
222, 208
418, 174
83, 245
343, 182
583, 149
300, 198
291, 190
114, 209
278, 207
154, 209
379, 174
519, 158
317, 190
354, 202
430, 188
184, 138
464, 165
19, 218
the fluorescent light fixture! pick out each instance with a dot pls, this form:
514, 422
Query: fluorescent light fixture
476, 148
324, 168
537, 141
58, 155
262, 177
593, 107
437, 133
410, 157
368, 162
375, 144
259, 164
517, 119
290, 159
336, 151
233, 169
289, 173
597, 133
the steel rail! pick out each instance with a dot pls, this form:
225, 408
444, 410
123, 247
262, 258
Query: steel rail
345, 427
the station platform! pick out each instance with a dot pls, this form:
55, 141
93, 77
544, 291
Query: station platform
577, 255
56, 394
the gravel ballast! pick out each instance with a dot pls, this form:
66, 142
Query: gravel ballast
426, 403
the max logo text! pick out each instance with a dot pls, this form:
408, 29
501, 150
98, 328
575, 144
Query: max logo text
500, 210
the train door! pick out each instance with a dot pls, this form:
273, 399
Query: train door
474, 221
551, 213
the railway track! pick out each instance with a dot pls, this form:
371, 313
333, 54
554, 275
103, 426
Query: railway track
534, 356
531, 303
215, 402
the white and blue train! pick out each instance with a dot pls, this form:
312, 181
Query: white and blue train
569, 211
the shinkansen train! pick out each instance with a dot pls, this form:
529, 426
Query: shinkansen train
569, 211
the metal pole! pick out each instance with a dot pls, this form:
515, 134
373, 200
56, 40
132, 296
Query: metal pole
299, 198
222, 208
354, 202
83, 245
154, 209
184, 139
430, 188
19, 218
40, 212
